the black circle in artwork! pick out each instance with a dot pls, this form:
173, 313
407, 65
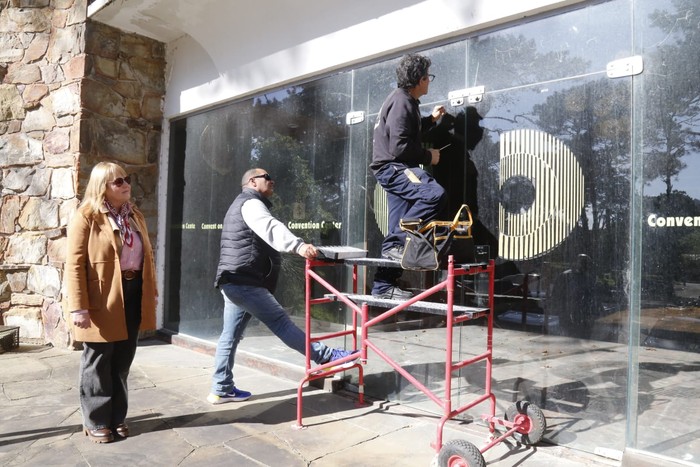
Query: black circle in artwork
517, 194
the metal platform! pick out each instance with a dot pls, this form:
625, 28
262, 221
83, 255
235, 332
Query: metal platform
420, 306
390, 263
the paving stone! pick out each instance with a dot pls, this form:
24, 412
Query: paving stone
171, 422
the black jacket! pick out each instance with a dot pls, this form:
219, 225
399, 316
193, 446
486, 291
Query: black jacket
397, 132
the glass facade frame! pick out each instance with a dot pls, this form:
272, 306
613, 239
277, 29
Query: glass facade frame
574, 177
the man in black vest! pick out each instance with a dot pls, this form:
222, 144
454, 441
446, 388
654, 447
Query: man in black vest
247, 274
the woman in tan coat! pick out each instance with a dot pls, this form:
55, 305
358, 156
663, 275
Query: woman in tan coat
110, 294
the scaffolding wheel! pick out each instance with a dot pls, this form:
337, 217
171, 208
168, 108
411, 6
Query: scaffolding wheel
531, 420
460, 453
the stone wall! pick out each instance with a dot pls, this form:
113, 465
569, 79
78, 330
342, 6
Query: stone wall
72, 93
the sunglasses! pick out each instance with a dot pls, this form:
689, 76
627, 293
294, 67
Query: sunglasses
120, 181
265, 176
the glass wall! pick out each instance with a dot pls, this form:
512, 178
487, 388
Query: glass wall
555, 139
299, 136
669, 318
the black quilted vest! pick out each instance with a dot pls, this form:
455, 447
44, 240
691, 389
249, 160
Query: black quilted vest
245, 258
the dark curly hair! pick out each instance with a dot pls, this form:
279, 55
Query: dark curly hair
411, 69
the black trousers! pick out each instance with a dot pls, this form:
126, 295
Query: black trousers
104, 368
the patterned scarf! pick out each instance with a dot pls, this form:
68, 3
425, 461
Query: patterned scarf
122, 220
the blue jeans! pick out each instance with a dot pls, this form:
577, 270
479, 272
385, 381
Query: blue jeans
421, 198
241, 303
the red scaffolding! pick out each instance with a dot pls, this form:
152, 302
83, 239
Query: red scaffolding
523, 420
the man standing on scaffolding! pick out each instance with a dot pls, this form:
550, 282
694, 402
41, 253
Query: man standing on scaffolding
412, 193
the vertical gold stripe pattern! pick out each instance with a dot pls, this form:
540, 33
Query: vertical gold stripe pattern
559, 193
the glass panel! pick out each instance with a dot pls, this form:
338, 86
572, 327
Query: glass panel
553, 186
550, 175
669, 376
299, 136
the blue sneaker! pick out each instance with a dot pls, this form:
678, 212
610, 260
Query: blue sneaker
236, 395
337, 354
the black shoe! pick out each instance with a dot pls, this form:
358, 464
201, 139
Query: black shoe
394, 293
395, 253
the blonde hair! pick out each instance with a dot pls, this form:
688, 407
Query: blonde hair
101, 175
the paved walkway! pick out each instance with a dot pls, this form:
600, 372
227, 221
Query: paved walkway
173, 425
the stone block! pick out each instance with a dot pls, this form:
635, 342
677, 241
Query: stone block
149, 72
17, 280
101, 99
66, 4
11, 107
44, 280
65, 121
41, 119
28, 319
62, 186
76, 67
11, 48
128, 89
10, 208
5, 288
126, 73
60, 160
26, 249
14, 126
54, 234
40, 183
56, 329
132, 45
78, 14
65, 44
52, 73
21, 73
37, 48
152, 108
102, 40
65, 212
27, 299
59, 19
106, 67
34, 3
18, 179
56, 250
133, 108
34, 93
19, 149
39, 214
66, 100
57, 141
124, 145
28, 20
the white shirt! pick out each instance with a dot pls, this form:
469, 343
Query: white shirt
269, 228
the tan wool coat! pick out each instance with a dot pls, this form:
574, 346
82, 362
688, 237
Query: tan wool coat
93, 280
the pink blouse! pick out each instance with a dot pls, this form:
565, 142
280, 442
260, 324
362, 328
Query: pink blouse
132, 256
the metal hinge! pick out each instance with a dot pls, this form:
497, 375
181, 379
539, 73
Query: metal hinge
629, 66
473, 95
351, 118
